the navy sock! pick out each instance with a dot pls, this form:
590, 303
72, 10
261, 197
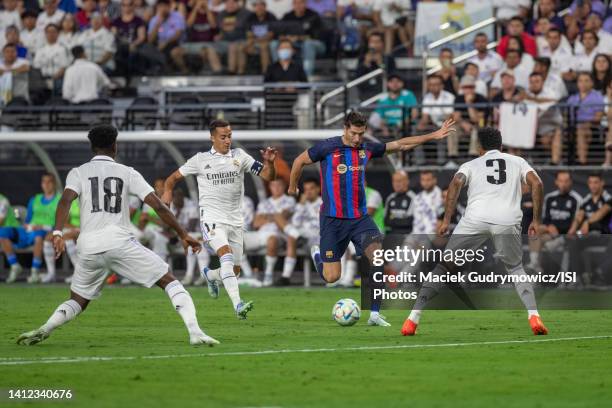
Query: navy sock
12, 259
319, 264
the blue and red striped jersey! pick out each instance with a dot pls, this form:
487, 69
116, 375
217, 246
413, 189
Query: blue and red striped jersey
343, 175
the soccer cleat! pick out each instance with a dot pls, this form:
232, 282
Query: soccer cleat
68, 279
125, 281
34, 276
315, 254
267, 282
32, 337
202, 338
16, 269
282, 281
537, 326
213, 286
378, 320
112, 279
409, 328
243, 309
48, 278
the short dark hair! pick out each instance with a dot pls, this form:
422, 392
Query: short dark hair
49, 174
490, 138
596, 174
29, 13
167, 2
102, 137
377, 34
543, 61
52, 25
446, 49
470, 63
535, 74
355, 118
285, 41
512, 51
217, 123
562, 172
312, 180
554, 30
78, 51
424, 172
517, 18
595, 35
584, 73
481, 34
9, 45
435, 76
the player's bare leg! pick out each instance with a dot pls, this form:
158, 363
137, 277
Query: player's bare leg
64, 313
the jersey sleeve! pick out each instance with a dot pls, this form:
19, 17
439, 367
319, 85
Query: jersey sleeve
318, 151
138, 185
191, 166
377, 149
466, 171
374, 199
525, 169
250, 164
72, 181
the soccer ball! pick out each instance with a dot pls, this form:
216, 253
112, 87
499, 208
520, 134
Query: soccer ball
346, 312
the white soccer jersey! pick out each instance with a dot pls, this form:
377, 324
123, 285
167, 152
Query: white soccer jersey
272, 206
186, 214
248, 212
494, 187
307, 215
221, 183
104, 187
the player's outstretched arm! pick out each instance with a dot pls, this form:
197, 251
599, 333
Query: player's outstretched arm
537, 195
410, 142
166, 216
169, 186
296, 171
61, 216
452, 197
268, 172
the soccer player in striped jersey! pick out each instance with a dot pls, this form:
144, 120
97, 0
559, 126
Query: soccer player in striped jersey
344, 216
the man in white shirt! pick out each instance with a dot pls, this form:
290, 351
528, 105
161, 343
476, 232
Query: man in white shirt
506, 9
426, 205
521, 76
9, 16
279, 7
494, 186
220, 174
19, 69
84, 79
553, 84
102, 187
99, 43
52, 59
594, 23
31, 38
50, 15
488, 62
560, 56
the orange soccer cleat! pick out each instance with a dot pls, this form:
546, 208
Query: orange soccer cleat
409, 328
537, 326
112, 279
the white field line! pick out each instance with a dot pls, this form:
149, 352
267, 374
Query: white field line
8, 361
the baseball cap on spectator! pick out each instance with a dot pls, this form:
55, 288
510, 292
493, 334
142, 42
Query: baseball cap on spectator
509, 72
467, 81
395, 75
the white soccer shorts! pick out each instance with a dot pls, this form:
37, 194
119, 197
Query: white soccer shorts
132, 260
218, 235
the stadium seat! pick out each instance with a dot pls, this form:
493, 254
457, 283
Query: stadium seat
142, 114
188, 117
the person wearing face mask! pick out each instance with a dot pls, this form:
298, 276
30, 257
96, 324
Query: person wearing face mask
285, 69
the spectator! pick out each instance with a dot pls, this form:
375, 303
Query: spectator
9, 16
472, 69
280, 7
31, 38
433, 115
448, 72
509, 92
324, 8
50, 15
109, 10
52, 59
395, 109
19, 69
166, 29
398, 206
69, 35
259, 33
527, 62
427, 204
549, 116
521, 76
601, 71
230, 40
143, 10
584, 58
594, 24
201, 28
572, 32
553, 84
84, 79
285, 69
586, 111
587, 7
560, 56
99, 43
309, 42
468, 117
546, 9
388, 19
515, 27
371, 60
488, 62
361, 12
507, 9
88, 7
11, 36
608, 121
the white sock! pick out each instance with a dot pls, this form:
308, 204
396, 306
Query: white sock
49, 254
525, 291
183, 304
415, 316
534, 257
230, 282
214, 274
288, 266
350, 272
190, 263
71, 250
62, 315
203, 259
270, 263
533, 312
373, 314
245, 267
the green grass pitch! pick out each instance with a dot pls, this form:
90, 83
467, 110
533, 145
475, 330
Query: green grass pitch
145, 358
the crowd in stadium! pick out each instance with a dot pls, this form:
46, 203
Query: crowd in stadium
272, 227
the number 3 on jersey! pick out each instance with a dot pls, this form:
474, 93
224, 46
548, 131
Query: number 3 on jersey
113, 187
499, 170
